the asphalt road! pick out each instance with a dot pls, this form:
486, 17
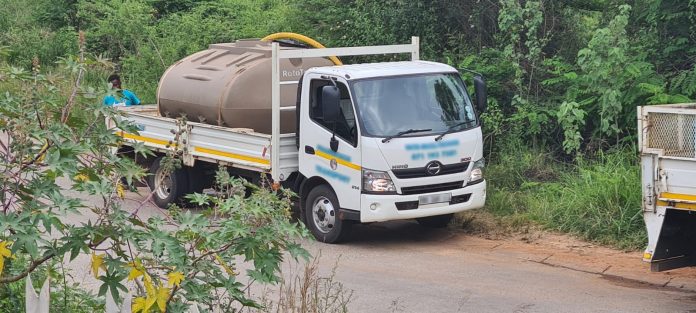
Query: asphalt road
402, 267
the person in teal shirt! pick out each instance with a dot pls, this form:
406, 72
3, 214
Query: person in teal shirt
121, 97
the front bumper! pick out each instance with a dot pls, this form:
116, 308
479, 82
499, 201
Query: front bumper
385, 205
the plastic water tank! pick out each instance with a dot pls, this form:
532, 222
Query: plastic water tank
229, 85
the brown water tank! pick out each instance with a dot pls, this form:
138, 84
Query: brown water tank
229, 84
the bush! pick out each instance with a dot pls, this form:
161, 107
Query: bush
65, 295
597, 199
53, 129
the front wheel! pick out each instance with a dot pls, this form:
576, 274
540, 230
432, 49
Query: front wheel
438, 221
321, 215
168, 187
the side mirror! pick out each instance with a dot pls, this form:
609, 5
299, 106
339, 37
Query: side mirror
330, 103
481, 96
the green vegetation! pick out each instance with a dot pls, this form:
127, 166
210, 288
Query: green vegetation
66, 296
564, 80
52, 137
594, 198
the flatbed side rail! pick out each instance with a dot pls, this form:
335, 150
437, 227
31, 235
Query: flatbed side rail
277, 54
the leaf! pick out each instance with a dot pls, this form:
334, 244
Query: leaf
296, 251
175, 278
120, 191
81, 178
138, 305
229, 270
150, 292
137, 269
97, 263
112, 283
4, 253
162, 297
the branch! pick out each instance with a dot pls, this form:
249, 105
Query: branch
71, 100
26, 272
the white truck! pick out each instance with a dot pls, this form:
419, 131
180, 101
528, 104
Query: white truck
667, 142
374, 142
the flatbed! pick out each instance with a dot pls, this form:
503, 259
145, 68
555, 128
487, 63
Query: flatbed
235, 147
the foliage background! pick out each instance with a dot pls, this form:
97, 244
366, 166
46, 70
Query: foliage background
564, 77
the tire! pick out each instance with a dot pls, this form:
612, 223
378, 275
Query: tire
438, 221
321, 216
173, 190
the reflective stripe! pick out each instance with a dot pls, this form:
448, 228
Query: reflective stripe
145, 139
199, 149
677, 197
343, 162
232, 155
677, 205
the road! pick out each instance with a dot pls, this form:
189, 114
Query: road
402, 267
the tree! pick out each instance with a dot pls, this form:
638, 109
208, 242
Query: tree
53, 131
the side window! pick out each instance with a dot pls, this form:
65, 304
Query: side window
345, 127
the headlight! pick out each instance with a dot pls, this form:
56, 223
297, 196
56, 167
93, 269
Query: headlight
477, 171
377, 181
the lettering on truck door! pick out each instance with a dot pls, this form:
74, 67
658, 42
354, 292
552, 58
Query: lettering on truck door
341, 168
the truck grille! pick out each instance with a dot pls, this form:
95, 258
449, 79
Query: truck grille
417, 172
432, 188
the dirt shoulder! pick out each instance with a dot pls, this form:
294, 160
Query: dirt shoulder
564, 251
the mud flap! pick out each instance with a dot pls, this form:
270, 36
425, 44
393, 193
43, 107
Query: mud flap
676, 245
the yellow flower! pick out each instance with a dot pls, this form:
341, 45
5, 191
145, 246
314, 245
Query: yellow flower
120, 191
134, 273
81, 178
175, 278
139, 305
162, 297
43, 150
137, 269
158, 295
97, 263
4, 253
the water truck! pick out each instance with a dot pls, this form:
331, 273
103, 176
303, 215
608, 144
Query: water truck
357, 143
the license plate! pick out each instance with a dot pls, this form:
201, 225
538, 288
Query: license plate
437, 198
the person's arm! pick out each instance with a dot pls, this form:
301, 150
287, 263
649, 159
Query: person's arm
108, 101
133, 98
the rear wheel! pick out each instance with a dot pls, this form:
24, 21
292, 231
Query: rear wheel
321, 215
168, 187
438, 221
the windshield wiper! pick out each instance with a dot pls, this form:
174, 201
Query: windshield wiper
451, 129
408, 131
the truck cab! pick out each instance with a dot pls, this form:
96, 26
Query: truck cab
387, 141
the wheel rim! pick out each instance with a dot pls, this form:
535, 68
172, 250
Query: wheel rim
163, 184
323, 214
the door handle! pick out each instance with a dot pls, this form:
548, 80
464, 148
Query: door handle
308, 150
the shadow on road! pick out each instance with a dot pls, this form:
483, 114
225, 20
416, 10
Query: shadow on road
396, 232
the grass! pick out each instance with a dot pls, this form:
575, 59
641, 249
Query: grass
305, 290
596, 198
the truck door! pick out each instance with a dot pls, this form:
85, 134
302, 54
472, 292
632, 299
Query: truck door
340, 167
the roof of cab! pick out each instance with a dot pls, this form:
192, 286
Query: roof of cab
369, 70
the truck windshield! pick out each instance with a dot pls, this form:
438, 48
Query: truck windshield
432, 102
